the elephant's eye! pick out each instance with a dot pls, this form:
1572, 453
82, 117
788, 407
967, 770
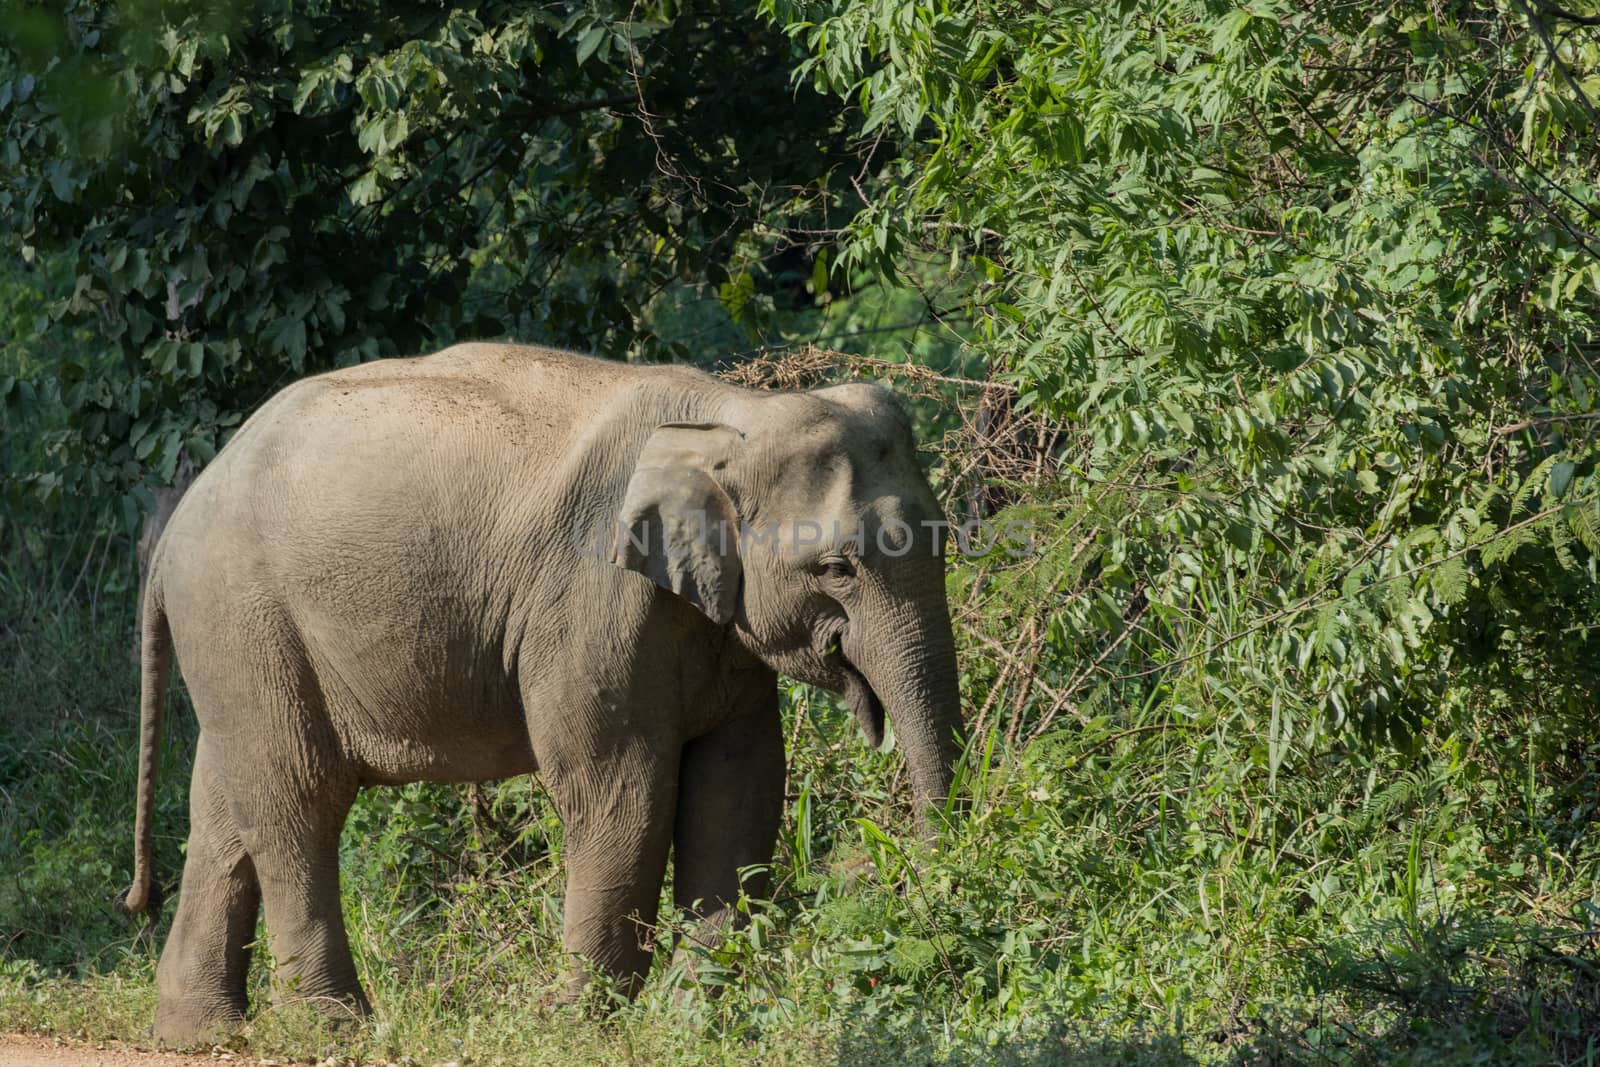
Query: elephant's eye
837, 568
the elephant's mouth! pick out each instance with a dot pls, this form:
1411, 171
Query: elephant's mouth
859, 695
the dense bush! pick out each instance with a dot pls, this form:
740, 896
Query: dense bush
249, 192
1308, 303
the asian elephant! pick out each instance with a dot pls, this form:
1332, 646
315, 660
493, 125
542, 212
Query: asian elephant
392, 574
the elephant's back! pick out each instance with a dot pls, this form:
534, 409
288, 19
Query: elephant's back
408, 455
384, 465
477, 397
457, 467
545, 386
357, 518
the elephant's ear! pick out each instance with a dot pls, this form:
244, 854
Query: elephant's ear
678, 526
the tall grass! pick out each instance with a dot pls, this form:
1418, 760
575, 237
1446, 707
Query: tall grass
1154, 883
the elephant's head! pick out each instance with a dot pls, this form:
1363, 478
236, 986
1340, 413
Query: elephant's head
804, 521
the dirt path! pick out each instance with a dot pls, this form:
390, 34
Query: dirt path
18, 1050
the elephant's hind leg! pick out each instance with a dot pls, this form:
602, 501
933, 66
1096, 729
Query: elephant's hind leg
290, 785
294, 841
201, 976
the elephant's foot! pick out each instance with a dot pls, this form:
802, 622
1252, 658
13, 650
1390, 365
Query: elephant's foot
594, 991
186, 1022
335, 1009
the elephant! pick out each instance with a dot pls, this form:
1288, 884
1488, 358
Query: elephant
389, 575
166, 502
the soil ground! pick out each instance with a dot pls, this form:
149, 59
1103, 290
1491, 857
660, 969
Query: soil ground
20, 1050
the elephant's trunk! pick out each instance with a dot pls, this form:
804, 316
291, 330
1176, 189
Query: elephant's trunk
913, 673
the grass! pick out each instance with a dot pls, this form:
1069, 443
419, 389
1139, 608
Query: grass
1158, 884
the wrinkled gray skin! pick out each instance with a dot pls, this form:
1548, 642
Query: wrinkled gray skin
378, 581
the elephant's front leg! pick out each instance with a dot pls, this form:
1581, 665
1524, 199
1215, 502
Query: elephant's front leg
617, 810
730, 804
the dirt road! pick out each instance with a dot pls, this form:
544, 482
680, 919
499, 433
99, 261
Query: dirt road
17, 1050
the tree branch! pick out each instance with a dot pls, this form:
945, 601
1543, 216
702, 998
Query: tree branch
1550, 46
1557, 11
535, 110
1526, 424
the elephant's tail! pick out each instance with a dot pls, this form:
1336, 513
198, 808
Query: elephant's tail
155, 664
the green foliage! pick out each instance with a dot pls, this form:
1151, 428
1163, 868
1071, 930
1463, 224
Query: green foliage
1307, 299
66, 676
253, 192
